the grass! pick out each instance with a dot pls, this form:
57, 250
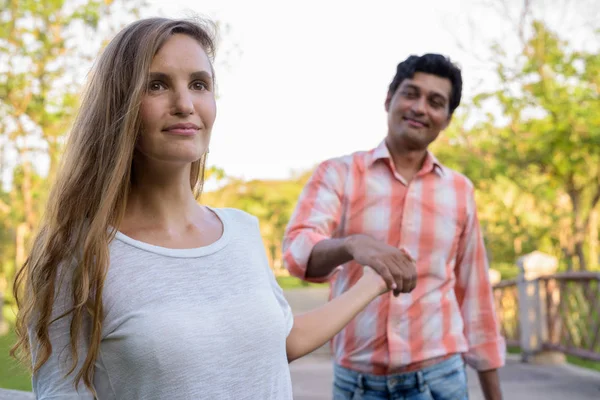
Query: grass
12, 374
290, 282
580, 362
594, 365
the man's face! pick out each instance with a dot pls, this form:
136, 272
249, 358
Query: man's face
419, 110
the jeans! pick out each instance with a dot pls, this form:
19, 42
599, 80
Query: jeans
446, 380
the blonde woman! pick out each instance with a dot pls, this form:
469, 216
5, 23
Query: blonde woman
135, 291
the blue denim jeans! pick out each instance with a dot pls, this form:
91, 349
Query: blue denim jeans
446, 380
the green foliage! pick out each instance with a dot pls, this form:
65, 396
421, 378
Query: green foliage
12, 374
43, 46
537, 171
290, 282
271, 201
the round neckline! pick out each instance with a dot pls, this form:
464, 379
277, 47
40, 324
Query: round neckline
183, 253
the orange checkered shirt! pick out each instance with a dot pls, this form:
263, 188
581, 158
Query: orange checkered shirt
434, 217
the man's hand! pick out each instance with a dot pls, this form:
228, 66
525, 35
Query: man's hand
396, 266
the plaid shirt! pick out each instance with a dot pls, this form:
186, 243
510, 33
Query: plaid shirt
434, 217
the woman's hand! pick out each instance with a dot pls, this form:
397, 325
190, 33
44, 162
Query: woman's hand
371, 280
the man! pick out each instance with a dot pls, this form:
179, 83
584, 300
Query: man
384, 208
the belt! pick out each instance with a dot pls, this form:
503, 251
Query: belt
419, 365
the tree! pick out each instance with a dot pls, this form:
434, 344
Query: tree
271, 201
514, 221
529, 118
549, 142
43, 45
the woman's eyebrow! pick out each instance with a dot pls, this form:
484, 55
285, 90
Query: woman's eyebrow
201, 75
158, 76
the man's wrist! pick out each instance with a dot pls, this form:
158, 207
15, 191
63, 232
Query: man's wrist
348, 245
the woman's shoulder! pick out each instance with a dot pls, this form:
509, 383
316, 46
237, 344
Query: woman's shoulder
235, 215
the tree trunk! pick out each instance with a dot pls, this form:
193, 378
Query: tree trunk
54, 152
20, 243
568, 258
579, 224
518, 246
27, 191
580, 256
565, 237
593, 239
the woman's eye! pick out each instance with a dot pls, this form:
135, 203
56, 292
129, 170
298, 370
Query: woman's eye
155, 86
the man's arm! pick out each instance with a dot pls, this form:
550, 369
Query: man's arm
314, 223
396, 266
474, 295
311, 253
490, 384
326, 255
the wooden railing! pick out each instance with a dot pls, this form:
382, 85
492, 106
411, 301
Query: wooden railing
572, 308
506, 298
557, 312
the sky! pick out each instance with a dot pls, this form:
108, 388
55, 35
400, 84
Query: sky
303, 81
300, 82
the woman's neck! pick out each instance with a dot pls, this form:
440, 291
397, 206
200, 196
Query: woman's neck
161, 197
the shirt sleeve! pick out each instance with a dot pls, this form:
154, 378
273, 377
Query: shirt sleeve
487, 347
50, 382
315, 218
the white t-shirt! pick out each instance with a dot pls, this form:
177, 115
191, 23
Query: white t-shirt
205, 323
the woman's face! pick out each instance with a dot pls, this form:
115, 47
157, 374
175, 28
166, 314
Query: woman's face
178, 109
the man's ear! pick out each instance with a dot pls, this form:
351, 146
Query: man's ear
388, 100
447, 123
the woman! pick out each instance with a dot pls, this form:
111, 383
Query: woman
133, 290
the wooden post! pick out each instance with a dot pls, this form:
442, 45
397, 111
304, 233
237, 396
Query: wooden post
533, 316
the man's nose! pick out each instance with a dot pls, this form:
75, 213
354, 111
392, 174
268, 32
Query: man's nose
418, 106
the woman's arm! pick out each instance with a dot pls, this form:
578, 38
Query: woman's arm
51, 380
313, 329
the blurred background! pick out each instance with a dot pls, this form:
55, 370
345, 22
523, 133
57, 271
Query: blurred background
299, 82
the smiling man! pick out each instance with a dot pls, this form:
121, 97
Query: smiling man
397, 209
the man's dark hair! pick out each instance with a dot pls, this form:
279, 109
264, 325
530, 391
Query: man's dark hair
434, 64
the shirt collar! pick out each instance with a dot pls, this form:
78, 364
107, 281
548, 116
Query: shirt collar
381, 152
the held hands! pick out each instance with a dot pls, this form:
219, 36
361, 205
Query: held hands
396, 268
373, 281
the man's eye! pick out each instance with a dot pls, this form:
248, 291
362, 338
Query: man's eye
199, 85
409, 94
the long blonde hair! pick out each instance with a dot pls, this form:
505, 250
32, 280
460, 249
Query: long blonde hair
90, 193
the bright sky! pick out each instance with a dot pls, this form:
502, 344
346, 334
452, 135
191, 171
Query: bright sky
305, 81
302, 81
